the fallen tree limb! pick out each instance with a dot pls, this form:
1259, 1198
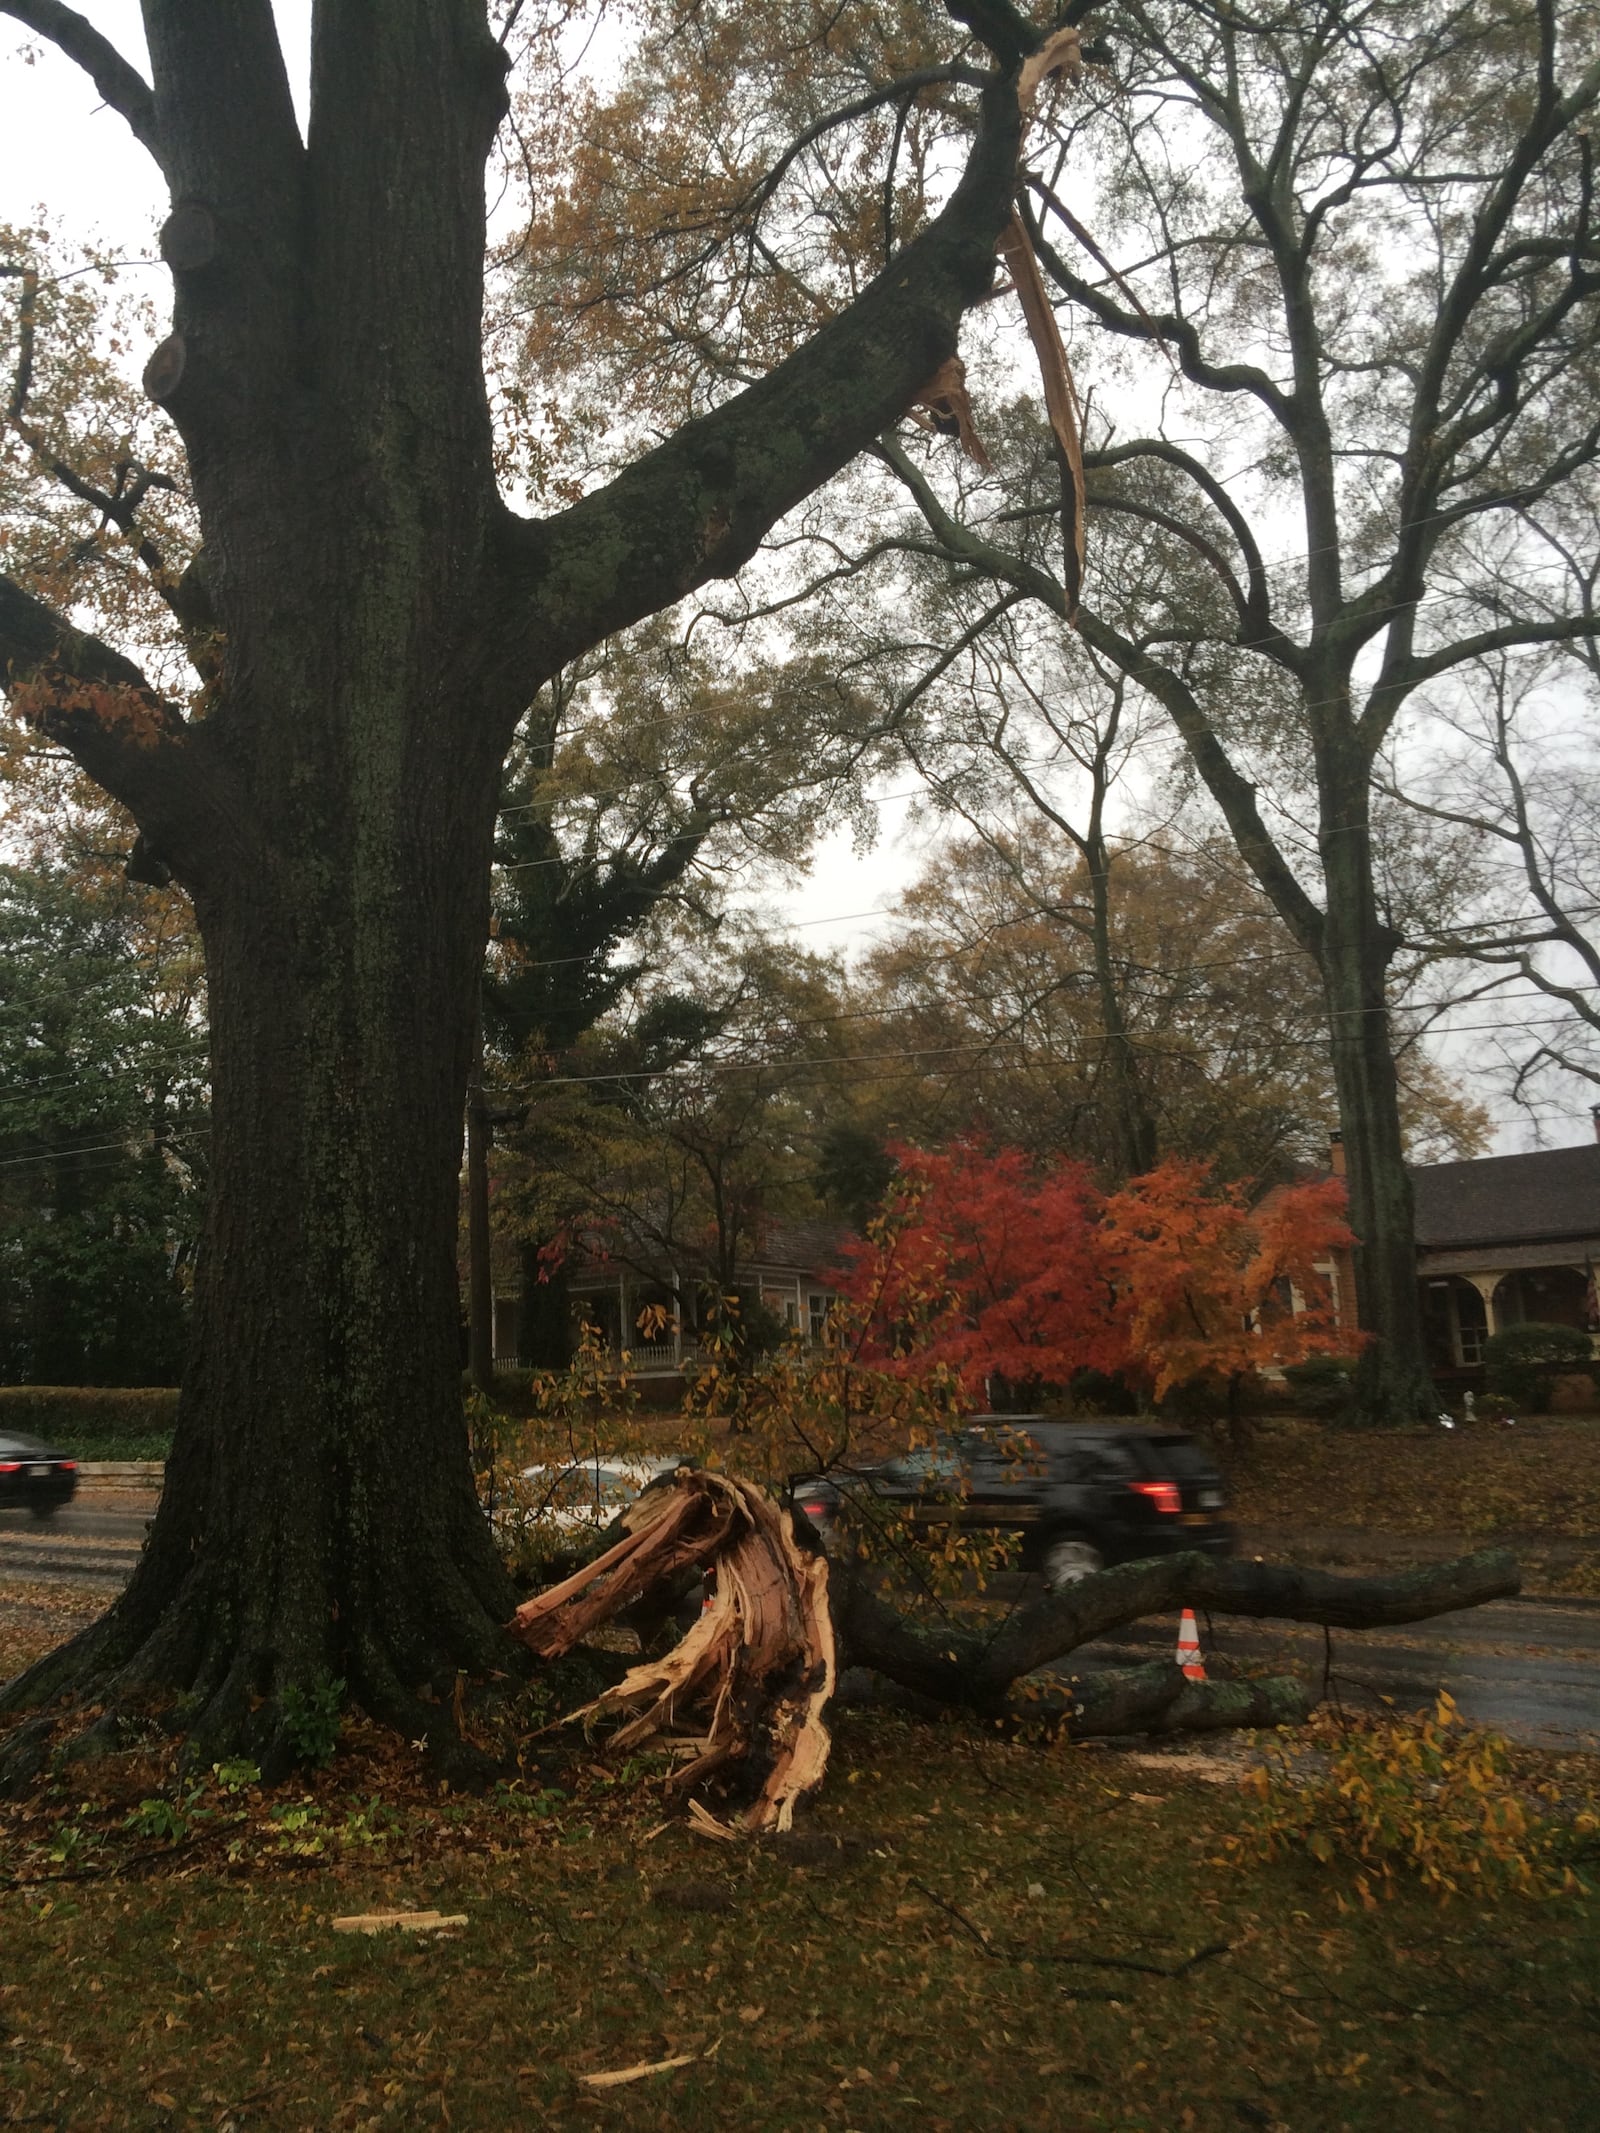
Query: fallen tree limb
976, 1668
1159, 1698
750, 1683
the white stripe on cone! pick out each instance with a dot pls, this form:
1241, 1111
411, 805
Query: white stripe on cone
1189, 1647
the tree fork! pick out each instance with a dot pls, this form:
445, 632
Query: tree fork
382, 621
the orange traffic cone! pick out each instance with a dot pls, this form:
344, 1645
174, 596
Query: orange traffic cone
1189, 1647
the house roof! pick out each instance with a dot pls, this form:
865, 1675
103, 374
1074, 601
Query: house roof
1509, 1199
807, 1247
813, 1249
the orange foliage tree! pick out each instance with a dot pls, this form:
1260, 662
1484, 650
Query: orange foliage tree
994, 1267
1209, 1286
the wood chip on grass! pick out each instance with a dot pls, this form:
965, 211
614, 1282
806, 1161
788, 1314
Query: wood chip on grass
616, 2076
399, 1921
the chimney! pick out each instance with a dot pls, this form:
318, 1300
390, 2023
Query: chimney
1336, 1147
1594, 1113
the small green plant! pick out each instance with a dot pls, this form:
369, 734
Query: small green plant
369, 1825
236, 1776
1406, 1798
515, 1798
297, 1826
71, 1843
160, 1821
311, 1717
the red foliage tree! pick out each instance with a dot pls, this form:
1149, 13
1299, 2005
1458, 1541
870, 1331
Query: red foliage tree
990, 1266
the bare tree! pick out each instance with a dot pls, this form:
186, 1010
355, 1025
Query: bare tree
1523, 780
1352, 259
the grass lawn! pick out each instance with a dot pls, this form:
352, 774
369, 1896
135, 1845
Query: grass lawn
968, 1933
156, 1444
1534, 1487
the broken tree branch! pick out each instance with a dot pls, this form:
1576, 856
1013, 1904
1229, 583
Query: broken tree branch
975, 1669
751, 1679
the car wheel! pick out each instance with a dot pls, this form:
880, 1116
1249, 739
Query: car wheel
44, 1510
1069, 1558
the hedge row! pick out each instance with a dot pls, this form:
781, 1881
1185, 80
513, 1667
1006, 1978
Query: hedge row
107, 1414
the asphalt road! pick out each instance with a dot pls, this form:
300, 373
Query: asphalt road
93, 1540
1528, 1668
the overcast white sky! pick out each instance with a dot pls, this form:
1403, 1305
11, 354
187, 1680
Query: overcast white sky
62, 151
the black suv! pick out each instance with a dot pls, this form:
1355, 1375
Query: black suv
1081, 1494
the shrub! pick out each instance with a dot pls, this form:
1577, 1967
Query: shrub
1322, 1387
1524, 1361
119, 1422
1401, 1798
1097, 1392
123, 1451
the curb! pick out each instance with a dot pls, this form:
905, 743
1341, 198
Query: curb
148, 1472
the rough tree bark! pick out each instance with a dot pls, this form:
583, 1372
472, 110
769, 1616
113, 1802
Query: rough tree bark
374, 620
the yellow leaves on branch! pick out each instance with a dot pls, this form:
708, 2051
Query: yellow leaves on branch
1425, 1799
51, 703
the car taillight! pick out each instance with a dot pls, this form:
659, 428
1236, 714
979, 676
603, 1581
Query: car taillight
10, 1466
815, 1510
67, 1466
1163, 1494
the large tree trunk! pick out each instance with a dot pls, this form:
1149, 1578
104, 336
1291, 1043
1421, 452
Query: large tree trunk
318, 1520
1393, 1381
370, 620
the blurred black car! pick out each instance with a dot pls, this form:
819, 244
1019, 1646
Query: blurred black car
35, 1478
1081, 1495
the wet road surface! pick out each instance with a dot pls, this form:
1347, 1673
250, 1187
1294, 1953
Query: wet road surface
1527, 1668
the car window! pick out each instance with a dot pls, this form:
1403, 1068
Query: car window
1174, 1458
1102, 1459
932, 1462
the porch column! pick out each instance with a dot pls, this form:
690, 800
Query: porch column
1486, 1284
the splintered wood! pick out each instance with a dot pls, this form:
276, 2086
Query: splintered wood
751, 1679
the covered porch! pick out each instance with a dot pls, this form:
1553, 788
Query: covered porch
1467, 1296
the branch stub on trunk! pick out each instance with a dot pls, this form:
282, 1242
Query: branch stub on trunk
188, 242
164, 372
